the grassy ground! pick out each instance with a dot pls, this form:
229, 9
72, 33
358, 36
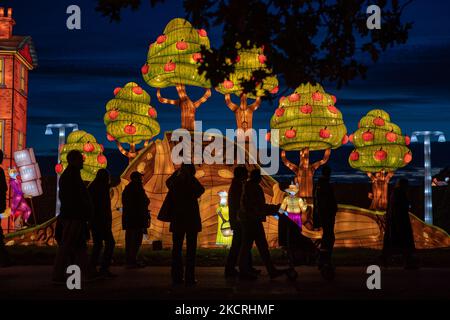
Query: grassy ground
216, 257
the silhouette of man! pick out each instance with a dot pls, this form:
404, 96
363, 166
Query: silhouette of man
4, 257
252, 214
186, 221
326, 208
72, 223
135, 218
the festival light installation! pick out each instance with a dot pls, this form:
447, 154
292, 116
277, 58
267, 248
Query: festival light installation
172, 61
307, 120
380, 149
224, 231
130, 118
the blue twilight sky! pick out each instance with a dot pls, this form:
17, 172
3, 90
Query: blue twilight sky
78, 70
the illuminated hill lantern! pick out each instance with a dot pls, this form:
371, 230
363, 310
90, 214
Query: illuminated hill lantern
308, 120
172, 61
380, 149
427, 163
29, 172
247, 62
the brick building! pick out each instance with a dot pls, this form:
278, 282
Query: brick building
17, 58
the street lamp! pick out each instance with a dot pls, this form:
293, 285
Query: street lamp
61, 140
427, 163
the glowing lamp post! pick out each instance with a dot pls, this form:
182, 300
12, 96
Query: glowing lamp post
62, 139
427, 163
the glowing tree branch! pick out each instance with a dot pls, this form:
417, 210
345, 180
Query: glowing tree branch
172, 61
308, 121
380, 149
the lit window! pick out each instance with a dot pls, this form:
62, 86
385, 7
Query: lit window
2, 71
20, 142
22, 78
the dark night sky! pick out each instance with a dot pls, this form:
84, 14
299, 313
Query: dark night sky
79, 69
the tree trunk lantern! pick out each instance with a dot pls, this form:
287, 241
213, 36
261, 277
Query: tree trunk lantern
172, 61
130, 118
308, 121
380, 149
247, 62
92, 152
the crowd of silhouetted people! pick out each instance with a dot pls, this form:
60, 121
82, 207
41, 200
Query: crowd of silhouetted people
85, 214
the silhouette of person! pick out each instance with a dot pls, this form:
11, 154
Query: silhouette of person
72, 223
4, 257
398, 236
101, 223
186, 221
135, 218
325, 207
234, 203
252, 213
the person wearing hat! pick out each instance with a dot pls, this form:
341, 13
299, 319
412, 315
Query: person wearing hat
135, 218
293, 205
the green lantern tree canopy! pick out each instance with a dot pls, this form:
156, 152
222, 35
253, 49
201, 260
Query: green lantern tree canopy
379, 144
309, 119
129, 117
92, 153
172, 59
247, 62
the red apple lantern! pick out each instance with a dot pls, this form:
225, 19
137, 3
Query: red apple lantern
306, 109
113, 114
368, 136
110, 137
169, 66
130, 129
268, 136
238, 59
407, 158
317, 96
334, 99
202, 32
197, 57
407, 140
181, 45
333, 109
391, 136
274, 90
380, 155
84, 157
354, 156
116, 90
262, 59
152, 112
345, 139
294, 97
351, 138
88, 147
59, 168
101, 159
144, 69
279, 112
325, 133
290, 134
138, 90
228, 84
378, 122
161, 39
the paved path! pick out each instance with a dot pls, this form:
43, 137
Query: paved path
32, 282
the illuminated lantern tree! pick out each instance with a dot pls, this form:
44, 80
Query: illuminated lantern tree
130, 118
247, 62
172, 62
380, 149
308, 120
92, 153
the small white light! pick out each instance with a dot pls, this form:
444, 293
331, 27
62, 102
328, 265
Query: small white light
48, 131
441, 138
414, 139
